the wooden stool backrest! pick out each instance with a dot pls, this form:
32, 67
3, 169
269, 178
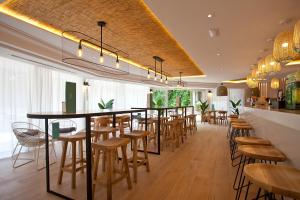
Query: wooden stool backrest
102, 122
123, 123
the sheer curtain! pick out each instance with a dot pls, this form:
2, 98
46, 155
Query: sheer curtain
28, 88
125, 95
222, 102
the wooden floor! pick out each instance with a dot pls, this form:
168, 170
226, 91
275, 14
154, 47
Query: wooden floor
198, 169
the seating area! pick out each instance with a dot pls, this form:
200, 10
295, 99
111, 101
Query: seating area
149, 99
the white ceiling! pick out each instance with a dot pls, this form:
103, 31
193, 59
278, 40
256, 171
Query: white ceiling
244, 26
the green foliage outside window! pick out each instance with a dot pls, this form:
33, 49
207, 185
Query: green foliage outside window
184, 94
159, 99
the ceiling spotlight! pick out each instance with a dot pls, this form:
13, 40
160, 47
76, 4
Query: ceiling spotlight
117, 62
148, 76
79, 51
210, 15
218, 54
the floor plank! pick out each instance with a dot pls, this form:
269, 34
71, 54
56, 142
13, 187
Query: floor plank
199, 169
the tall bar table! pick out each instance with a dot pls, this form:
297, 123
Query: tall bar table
87, 116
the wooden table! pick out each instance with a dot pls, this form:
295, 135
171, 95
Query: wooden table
282, 180
87, 115
252, 141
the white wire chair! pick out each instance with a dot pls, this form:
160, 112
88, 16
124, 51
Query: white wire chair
30, 136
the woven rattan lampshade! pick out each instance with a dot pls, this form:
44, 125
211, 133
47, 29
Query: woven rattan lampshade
262, 69
275, 83
283, 50
222, 90
271, 64
297, 37
251, 83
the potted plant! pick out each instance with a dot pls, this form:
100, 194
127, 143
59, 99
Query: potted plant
107, 105
202, 106
235, 105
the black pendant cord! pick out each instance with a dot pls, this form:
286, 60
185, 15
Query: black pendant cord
161, 69
101, 54
155, 67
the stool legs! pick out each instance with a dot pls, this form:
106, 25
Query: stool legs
146, 153
109, 174
62, 162
125, 163
135, 160
73, 164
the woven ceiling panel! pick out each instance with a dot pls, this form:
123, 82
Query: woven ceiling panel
131, 27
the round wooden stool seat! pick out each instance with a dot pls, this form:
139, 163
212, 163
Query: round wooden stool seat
242, 126
70, 138
136, 134
282, 180
252, 141
269, 153
111, 143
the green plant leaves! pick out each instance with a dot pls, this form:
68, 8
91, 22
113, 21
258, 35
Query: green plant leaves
185, 96
235, 106
108, 105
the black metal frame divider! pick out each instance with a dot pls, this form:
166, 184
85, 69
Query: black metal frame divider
87, 115
158, 120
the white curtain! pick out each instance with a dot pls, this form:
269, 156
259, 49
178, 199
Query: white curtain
222, 102
26, 88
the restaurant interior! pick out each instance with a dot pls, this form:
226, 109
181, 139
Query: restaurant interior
150, 99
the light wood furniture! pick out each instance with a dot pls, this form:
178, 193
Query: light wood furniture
136, 160
72, 167
269, 153
170, 134
110, 147
251, 141
222, 117
282, 180
191, 123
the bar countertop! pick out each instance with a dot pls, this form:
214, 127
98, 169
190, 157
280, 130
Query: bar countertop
297, 112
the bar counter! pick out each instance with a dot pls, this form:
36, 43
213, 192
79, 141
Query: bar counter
280, 126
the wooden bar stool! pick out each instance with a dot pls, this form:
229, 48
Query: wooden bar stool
72, 167
251, 153
110, 146
281, 180
250, 140
136, 160
170, 134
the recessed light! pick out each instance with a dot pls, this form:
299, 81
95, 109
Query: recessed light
218, 54
210, 15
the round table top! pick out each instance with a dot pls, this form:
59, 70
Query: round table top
269, 153
241, 126
283, 180
252, 141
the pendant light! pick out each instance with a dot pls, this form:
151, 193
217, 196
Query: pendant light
296, 38
261, 67
161, 75
275, 83
155, 78
271, 64
166, 80
180, 83
222, 90
101, 58
283, 50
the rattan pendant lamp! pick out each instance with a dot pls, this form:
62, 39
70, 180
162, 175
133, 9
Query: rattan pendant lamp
222, 90
297, 37
284, 49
